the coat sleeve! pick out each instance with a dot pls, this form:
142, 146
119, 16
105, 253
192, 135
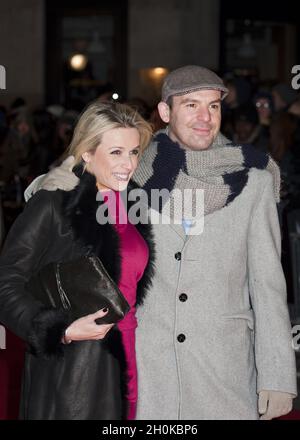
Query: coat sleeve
274, 354
22, 256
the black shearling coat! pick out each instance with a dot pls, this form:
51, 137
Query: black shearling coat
84, 380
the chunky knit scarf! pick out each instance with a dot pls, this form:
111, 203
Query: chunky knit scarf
221, 171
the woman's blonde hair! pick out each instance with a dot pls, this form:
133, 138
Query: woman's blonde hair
100, 117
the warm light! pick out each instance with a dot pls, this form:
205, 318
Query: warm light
159, 71
78, 62
115, 96
151, 80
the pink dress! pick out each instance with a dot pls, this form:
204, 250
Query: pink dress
134, 258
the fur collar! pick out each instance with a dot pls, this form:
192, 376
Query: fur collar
80, 207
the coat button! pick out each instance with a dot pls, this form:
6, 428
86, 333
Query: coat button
181, 337
183, 297
178, 256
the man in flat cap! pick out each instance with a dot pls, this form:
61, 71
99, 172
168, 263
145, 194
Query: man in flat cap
214, 337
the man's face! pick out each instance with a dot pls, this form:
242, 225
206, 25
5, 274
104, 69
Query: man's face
194, 119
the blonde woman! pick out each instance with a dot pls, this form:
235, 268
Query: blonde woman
80, 369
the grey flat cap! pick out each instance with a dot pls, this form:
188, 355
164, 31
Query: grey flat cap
190, 79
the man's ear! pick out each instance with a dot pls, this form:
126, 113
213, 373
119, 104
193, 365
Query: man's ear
164, 111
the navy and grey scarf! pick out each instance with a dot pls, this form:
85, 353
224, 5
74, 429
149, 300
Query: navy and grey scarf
221, 171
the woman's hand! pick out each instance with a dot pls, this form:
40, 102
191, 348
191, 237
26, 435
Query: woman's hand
85, 329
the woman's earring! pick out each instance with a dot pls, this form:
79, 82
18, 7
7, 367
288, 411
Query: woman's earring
84, 166
85, 162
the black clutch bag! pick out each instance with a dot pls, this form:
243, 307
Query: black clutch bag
81, 286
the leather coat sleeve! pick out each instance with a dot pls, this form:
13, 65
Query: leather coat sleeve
22, 256
274, 355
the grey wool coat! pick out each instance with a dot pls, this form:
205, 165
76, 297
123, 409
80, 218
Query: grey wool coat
206, 354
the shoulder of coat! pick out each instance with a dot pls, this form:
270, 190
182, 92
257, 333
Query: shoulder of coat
44, 199
258, 177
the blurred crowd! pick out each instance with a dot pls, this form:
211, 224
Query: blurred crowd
268, 118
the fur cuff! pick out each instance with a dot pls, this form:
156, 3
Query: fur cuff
46, 332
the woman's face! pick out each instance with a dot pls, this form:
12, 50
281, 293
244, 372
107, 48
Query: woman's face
115, 159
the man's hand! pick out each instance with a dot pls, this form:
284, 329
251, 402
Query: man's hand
60, 177
273, 404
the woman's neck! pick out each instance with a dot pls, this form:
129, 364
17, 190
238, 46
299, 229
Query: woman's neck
103, 189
